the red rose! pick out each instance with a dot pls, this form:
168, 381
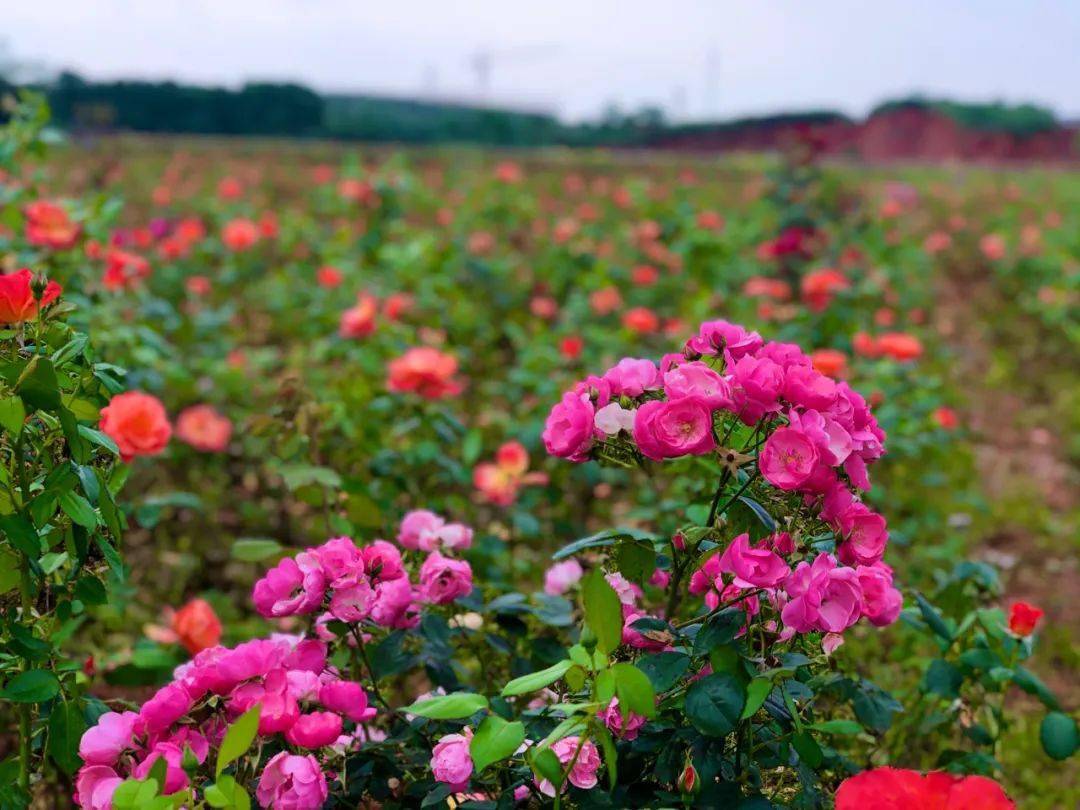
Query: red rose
1023, 618
137, 423
17, 303
899, 789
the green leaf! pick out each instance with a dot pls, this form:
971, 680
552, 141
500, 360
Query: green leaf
933, 618
238, 738
843, 727
95, 436
756, 691
1059, 736
66, 727
603, 611
496, 739
9, 570
663, 669
943, 679
808, 749
299, 475
634, 690
22, 534
80, 448
457, 706
715, 703
38, 385
635, 559
31, 686
12, 415
251, 549
607, 537
1033, 685
547, 765
719, 629
611, 756
537, 680
76, 507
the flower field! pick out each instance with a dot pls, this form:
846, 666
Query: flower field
372, 477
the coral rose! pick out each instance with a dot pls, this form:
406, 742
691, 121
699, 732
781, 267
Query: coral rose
204, 428
137, 422
424, 371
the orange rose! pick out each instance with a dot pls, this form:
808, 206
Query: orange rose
197, 626
137, 423
900, 346
830, 362
48, 225
17, 303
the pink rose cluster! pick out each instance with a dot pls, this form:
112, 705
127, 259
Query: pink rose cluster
304, 704
353, 583
822, 596
818, 434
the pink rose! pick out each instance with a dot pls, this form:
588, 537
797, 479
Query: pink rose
450, 760
395, 604
169, 704
583, 774
680, 427
881, 602
785, 355
631, 377
613, 418
339, 559
347, 698
314, 730
94, 787
697, 379
245, 661
353, 603
757, 384
570, 430
702, 580
865, 535
788, 458
419, 530
821, 596
626, 590
561, 576
292, 782
279, 707
443, 580
308, 655
808, 388
382, 561
292, 587
721, 337
753, 567
102, 744
175, 777
623, 729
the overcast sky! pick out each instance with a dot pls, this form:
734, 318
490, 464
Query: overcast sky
696, 58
